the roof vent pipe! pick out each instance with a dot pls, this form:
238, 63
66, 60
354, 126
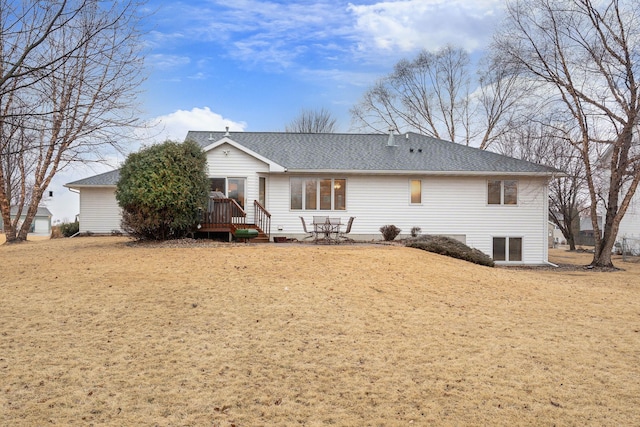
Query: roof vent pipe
391, 142
227, 132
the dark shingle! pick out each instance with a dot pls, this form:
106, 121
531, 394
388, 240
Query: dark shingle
370, 152
359, 153
104, 179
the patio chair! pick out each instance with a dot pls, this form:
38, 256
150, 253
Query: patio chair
311, 233
320, 220
343, 234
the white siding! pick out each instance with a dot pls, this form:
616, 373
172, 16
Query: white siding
99, 210
630, 224
450, 206
227, 161
454, 206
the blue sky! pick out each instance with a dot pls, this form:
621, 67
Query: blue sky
253, 65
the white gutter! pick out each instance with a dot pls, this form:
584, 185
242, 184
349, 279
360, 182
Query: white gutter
419, 172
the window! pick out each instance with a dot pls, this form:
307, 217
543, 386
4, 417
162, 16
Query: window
507, 248
236, 190
416, 191
262, 191
318, 194
233, 188
218, 184
502, 192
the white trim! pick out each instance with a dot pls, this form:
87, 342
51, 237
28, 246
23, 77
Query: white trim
424, 173
273, 166
502, 203
506, 249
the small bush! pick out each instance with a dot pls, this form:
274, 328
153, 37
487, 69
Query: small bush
389, 232
68, 229
451, 247
415, 231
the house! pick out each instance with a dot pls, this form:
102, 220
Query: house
41, 223
629, 228
494, 203
630, 223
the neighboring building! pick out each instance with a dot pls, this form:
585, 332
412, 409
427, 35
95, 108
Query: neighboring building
556, 238
494, 203
41, 223
99, 210
629, 225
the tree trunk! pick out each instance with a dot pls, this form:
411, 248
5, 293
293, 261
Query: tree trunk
602, 258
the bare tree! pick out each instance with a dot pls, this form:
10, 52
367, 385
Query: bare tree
542, 141
69, 73
587, 54
312, 121
432, 95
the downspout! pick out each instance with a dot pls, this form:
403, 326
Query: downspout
546, 222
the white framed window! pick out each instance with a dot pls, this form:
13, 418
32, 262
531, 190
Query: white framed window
502, 192
507, 249
318, 194
415, 188
233, 188
262, 191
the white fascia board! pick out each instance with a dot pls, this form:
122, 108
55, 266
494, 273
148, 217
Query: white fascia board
273, 166
90, 186
430, 173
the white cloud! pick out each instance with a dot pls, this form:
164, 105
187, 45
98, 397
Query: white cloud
409, 25
164, 61
174, 126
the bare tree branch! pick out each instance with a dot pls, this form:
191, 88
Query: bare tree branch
69, 75
312, 121
587, 53
432, 95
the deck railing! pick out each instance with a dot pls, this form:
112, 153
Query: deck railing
262, 218
223, 214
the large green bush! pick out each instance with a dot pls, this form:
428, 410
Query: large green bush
162, 190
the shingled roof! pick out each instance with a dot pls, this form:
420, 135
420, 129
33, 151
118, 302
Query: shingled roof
372, 153
359, 153
107, 179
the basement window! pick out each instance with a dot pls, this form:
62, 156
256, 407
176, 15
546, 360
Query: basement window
507, 249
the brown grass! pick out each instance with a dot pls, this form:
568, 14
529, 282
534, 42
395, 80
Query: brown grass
95, 331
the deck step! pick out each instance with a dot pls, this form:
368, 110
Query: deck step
261, 238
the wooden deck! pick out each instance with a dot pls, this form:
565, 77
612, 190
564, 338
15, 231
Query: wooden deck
227, 216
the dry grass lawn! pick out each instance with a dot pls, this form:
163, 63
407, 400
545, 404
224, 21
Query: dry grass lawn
95, 331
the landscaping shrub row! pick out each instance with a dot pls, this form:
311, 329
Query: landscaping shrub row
450, 247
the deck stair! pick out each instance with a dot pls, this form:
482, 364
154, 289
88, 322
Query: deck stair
262, 236
224, 215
